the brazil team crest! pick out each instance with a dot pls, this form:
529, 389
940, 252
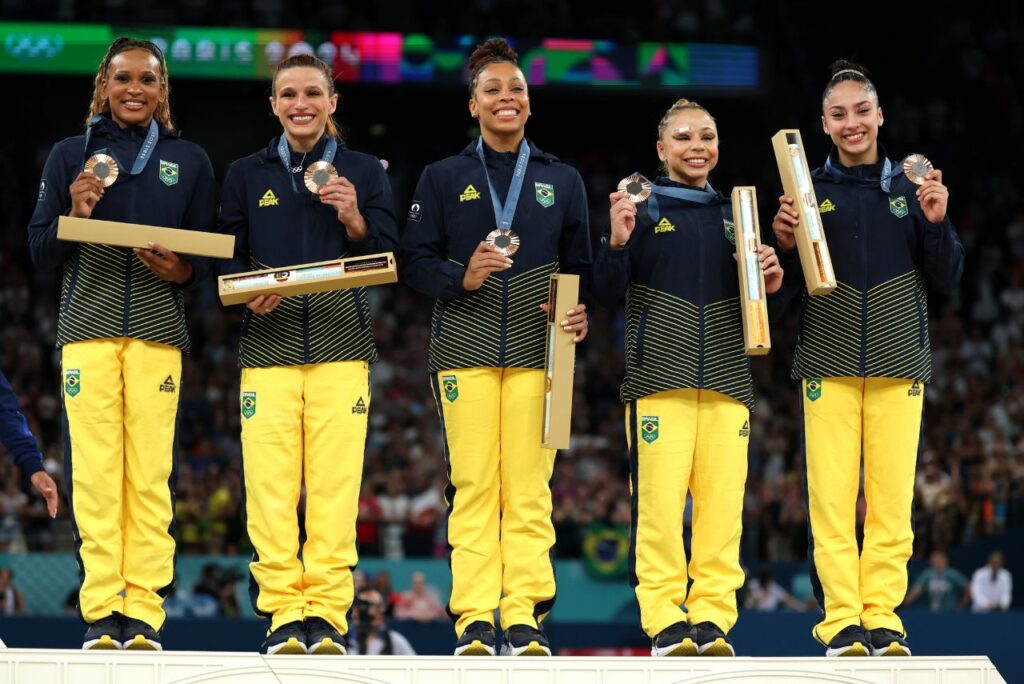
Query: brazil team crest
545, 194
649, 428
451, 387
248, 404
812, 387
168, 172
730, 231
898, 206
72, 382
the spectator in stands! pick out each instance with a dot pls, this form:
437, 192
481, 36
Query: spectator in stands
11, 600
945, 587
991, 586
420, 603
765, 595
370, 633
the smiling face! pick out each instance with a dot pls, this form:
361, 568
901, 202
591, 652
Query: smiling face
501, 102
303, 101
134, 87
851, 116
689, 147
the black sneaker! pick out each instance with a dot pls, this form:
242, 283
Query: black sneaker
288, 639
711, 640
887, 642
105, 634
523, 640
477, 640
851, 641
675, 640
139, 636
322, 638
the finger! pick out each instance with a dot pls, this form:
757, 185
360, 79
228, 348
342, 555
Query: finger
51, 501
614, 197
545, 307
581, 335
934, 174
578, 309
785, 199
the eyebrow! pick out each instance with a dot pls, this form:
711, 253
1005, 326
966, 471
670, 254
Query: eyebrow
856, 104
514, 79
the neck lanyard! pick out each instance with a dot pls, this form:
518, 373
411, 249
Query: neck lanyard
705, 196
503, 215
148, 145
285, 154
885, 182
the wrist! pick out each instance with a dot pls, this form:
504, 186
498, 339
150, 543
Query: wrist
356, 228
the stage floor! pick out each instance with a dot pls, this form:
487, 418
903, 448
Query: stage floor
53, 666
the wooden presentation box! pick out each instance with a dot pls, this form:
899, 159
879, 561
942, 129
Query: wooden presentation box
559, 363
753, 298
810, 234
323, 276
118, 234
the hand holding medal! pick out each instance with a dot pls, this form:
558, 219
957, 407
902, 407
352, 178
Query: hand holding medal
932, 195
632, 191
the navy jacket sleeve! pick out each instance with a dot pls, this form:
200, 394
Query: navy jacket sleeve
611, 273
14, 432
575, 255
942, 254
53, 201
424, 258
234, 220
201, 215
792, 279
377, 206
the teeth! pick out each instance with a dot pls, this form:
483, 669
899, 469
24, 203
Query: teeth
506, 112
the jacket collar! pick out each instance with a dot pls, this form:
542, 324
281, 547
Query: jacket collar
535, 152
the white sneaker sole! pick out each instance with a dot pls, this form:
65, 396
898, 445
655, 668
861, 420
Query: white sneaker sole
893, 649
855, 650
475, 648
291, 647
533, 649
684, 649
104, 643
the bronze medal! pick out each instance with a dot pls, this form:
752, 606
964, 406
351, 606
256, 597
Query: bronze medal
637, 187
505, 240
104, 167
318, 174
916, 166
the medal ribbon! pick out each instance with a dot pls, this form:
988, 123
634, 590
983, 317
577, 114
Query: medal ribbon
285, 154
503, 215
705, 196
885, 182
145, 152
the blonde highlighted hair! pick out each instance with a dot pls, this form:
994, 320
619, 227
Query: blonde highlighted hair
101, 105
680, 105
304, 60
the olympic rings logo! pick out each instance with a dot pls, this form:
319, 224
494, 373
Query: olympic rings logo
33, 46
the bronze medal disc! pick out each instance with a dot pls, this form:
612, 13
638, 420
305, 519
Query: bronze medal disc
505, 240
318, 174
637, 187
104, 167
916, 166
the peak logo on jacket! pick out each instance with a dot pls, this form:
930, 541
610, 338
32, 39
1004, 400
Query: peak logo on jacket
664, 226
470, 193
826, 206
269, 199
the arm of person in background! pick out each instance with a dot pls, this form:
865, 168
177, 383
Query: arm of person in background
21, 444
612, 269
425, 265
978, 599
783, 240
368, 213
942, 251
1006, 595
575, 256
400, 646
916, 590
54, 201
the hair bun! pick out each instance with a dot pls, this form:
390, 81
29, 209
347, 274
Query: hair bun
492, 50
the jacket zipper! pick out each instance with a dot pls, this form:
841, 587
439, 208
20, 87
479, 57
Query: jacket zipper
862, 227
700, 305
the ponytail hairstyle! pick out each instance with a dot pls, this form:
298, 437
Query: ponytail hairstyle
680, 105
486, 53
304, 60
100, 105
842, 70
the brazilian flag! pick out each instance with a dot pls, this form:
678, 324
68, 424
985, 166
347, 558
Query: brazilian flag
606, 551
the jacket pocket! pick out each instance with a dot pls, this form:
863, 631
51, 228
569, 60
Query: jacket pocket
922, 319
641, 329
